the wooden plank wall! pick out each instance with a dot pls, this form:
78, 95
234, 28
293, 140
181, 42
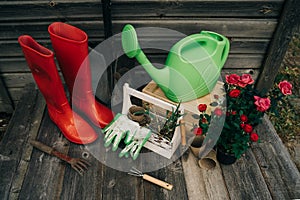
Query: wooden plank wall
33, 18
249, 24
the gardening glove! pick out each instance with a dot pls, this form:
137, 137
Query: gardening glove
118, 129
135, 143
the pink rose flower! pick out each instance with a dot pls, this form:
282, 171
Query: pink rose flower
262, 104
285, 87
245, 80
232, 79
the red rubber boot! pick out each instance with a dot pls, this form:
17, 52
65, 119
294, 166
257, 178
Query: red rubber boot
41, 63
70, 45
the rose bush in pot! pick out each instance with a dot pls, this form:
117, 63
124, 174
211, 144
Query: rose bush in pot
244, 108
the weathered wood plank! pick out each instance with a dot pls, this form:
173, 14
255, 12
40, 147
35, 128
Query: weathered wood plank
278, 169
14, 51
201, 183
119, 185
172, 174
19, 80
90, 184
39, 29
7, 104
175, 175
230, 27
222, 8
290, 18
244, 179
45, 172
49, 10
9, 65
14, 150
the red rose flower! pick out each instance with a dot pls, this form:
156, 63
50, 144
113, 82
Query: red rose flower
234, 93
232, 79
244, 118
204, 120
233, 112
248, 128
202, 107
242, 126
198, 131
245, 80
254, 137
218, 112
262, 104
285, 87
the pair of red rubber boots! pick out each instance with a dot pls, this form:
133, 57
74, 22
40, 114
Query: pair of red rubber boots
70, 45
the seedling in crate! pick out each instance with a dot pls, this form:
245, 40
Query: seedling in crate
170, 125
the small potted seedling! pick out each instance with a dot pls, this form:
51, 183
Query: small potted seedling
170, 125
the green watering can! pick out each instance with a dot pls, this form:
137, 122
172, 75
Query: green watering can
192, 67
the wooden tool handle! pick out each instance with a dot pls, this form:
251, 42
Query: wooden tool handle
158, 182
182, 131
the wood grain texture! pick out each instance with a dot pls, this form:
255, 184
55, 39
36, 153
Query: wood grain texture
45, 172
7, 104
244, 179
15, 152
90, 184
249, 25
280, 173
265, 172
289, 19
229, 27
39, 29
167, 9
47, 10
201, 183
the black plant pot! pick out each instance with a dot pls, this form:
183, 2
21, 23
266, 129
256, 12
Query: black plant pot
225, 158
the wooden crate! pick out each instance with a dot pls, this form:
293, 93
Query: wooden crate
155, 143
191, 107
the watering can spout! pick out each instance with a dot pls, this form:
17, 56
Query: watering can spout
132, 49
159, 75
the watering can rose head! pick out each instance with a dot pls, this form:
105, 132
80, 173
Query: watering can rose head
192, 67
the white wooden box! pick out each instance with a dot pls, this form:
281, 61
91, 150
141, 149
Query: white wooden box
161, 146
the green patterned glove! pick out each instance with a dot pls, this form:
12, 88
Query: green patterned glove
135, 142
119, 128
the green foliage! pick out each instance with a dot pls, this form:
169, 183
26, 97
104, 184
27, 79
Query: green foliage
237, 134
169, 127
285, 119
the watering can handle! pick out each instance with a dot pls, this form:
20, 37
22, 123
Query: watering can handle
223, 41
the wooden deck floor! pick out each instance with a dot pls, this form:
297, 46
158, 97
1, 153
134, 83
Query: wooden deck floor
265, 172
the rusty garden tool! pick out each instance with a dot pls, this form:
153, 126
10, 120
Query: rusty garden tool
78, 164
136, 172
